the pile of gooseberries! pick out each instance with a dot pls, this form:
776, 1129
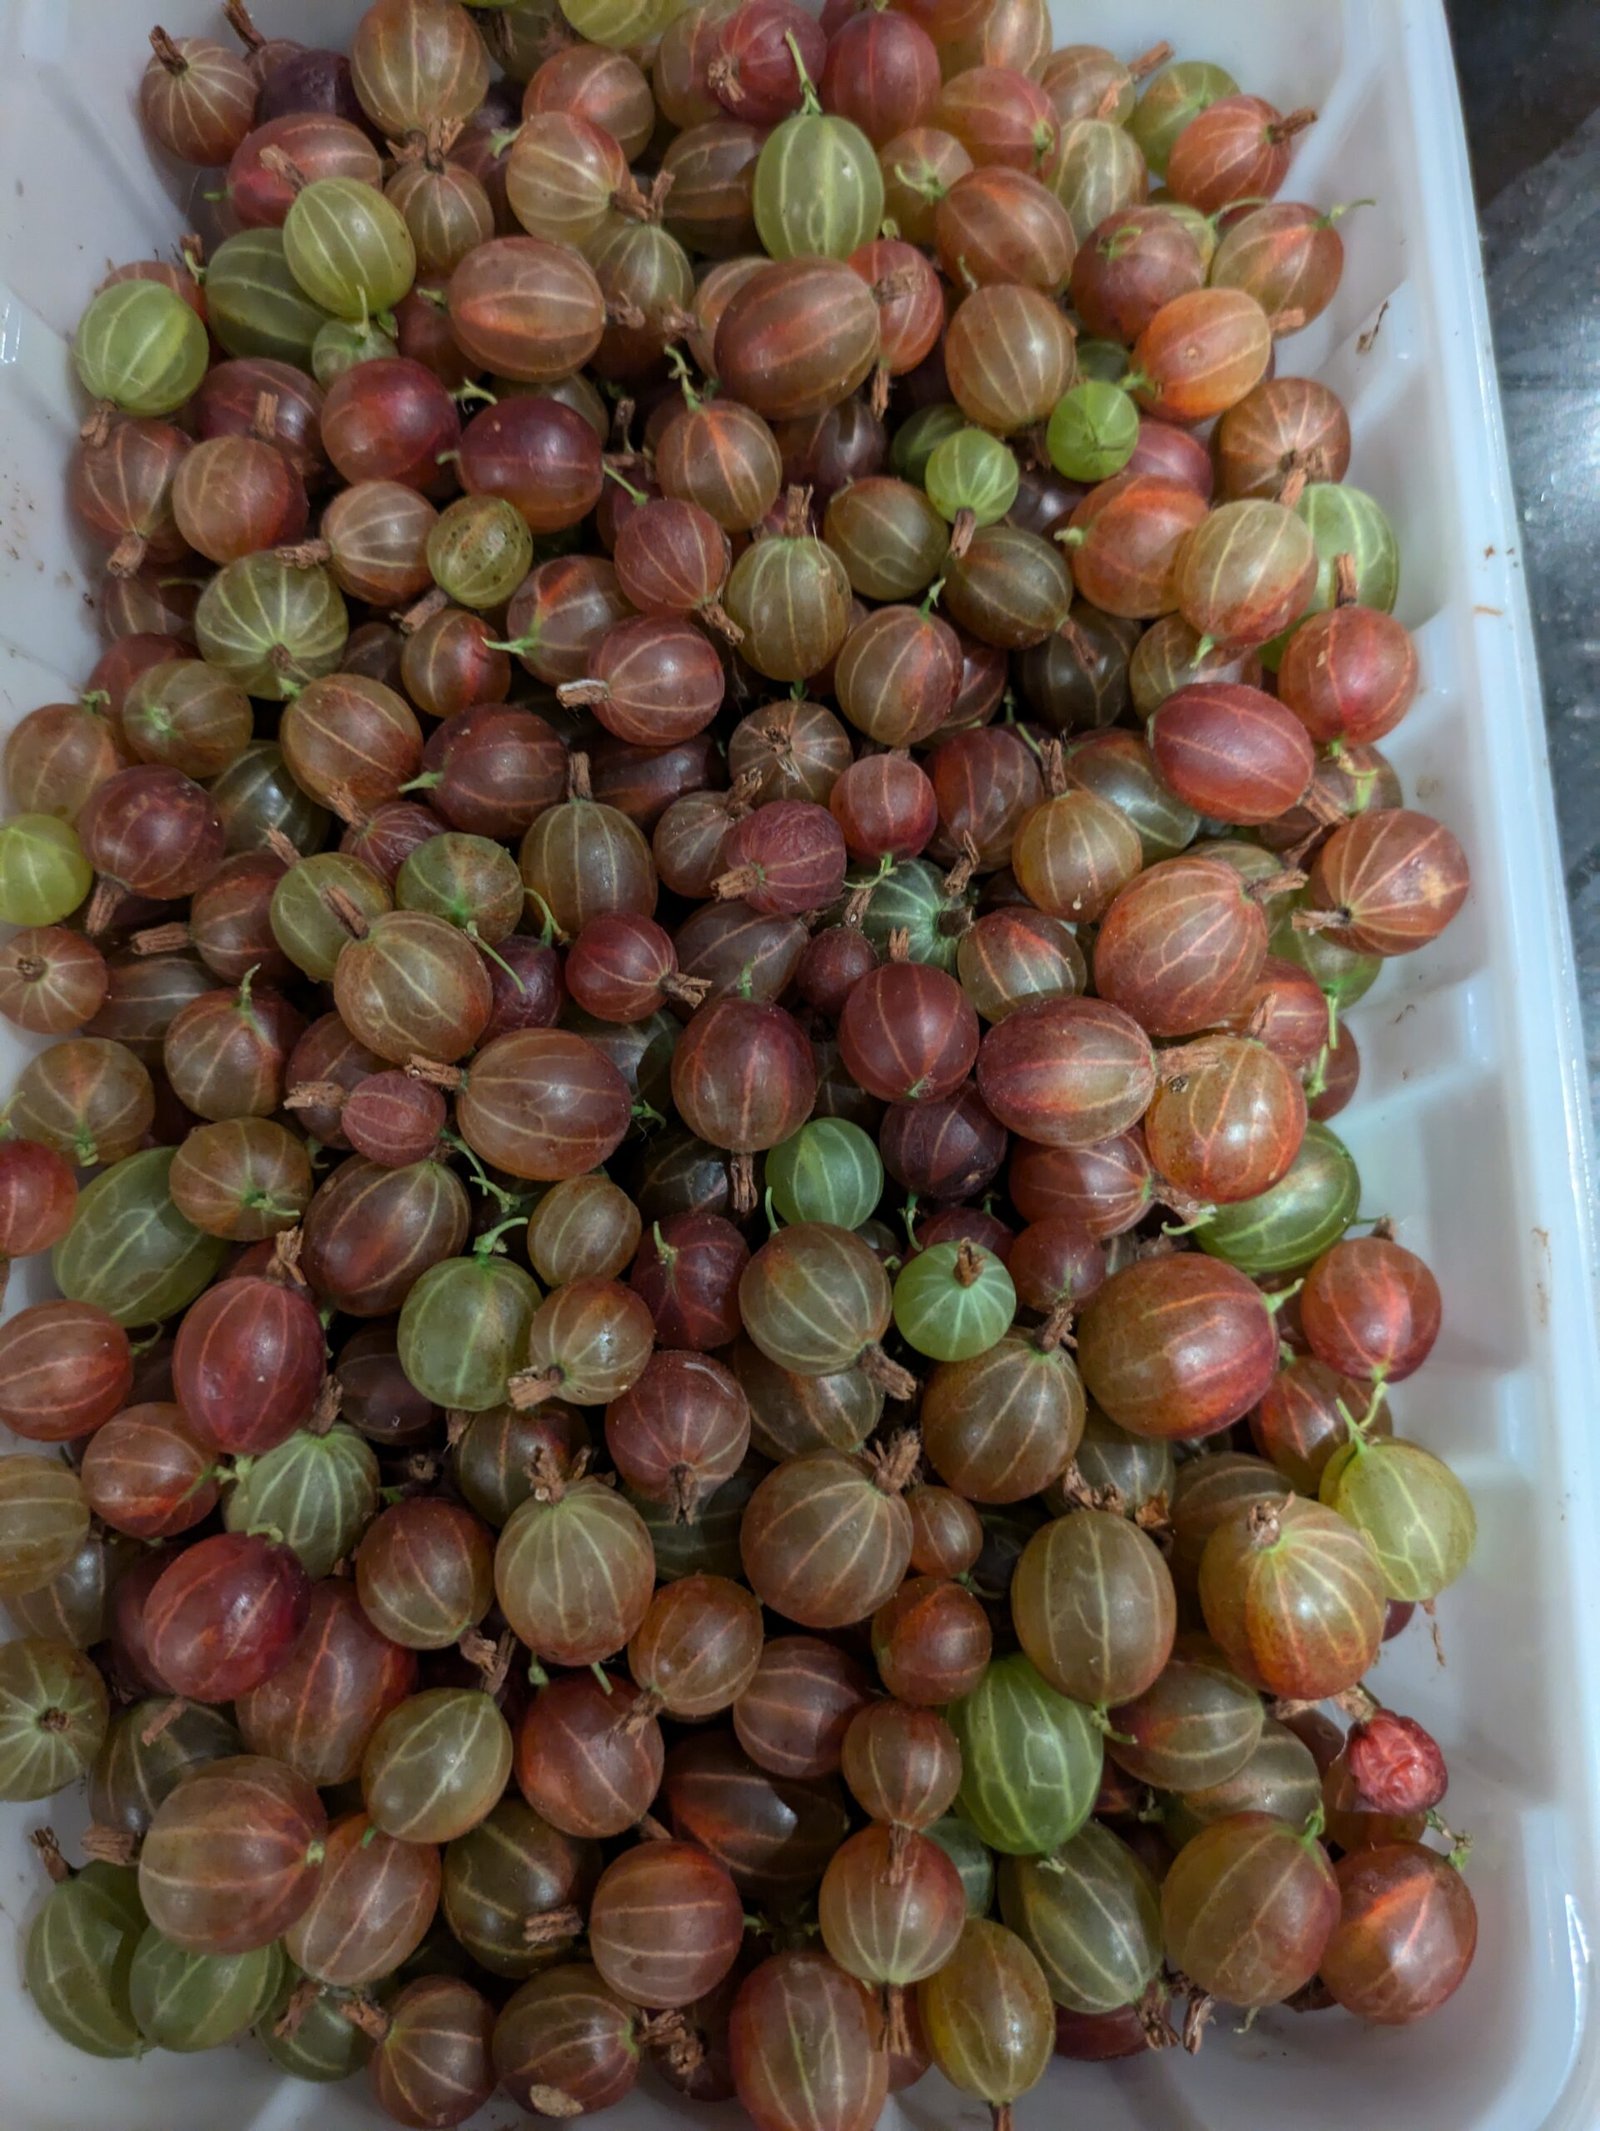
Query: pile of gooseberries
716, 1405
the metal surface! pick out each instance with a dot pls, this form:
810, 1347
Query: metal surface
1530, 82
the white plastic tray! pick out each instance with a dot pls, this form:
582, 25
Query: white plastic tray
1472, 1126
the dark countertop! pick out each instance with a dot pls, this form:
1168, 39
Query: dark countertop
1530, 83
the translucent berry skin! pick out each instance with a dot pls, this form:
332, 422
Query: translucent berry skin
1406, 1934
544, 1104
1371, 1308
565, 2044
931, 1640
225, 1614
679, 1431
374, 1900
882, 73
577, 1767
1067, 1072
807, 2047
1132, 263
1248, 1908
1094, 1607
1226, 1123
339, 1681
65, 1367
1294, 1597
788, 857
1129, 533
792, 1718
1201, 353
1177, 1346
796, 337
987, 2016
743, 1076
1394, 879
1349, 674
1299, 1426
232, 1856
943, 1150
1236, 148
891, 1911
665, 1924
433, 2067
1197, 1725
908, 1033
1108, 1187
821, 1543
1232, 752
248, 1363
1181, 946
146, 1472
687, 1271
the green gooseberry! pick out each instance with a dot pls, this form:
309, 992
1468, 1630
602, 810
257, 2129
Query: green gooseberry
129, 1251
141, 347
1030, 1760
349, 247
470, 881
318, 2043
1296, 1219
304, 913
197, 2001
1102, 359
464, 1327
44, 875
1169, 100
1411, 1506
479, 550
257, 794
1343, 974
53, 1716
1091, 1914
254, 304
1347, 521
971, 471
1093, 431
953, 1300
618, 24
271, 628
961, 1843
912, 898
79, 1960
818, 188
827, 1171
319, 1491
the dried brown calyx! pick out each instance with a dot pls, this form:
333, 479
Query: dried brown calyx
742, 1183
326, 1407
552, 1475
531, 1387
490, 1659
287, 1245
672, 2038
552, 1927
110, 1846
893, 1464
431, 147
48, 1851
638, 204
1264, 1523
895, 1382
